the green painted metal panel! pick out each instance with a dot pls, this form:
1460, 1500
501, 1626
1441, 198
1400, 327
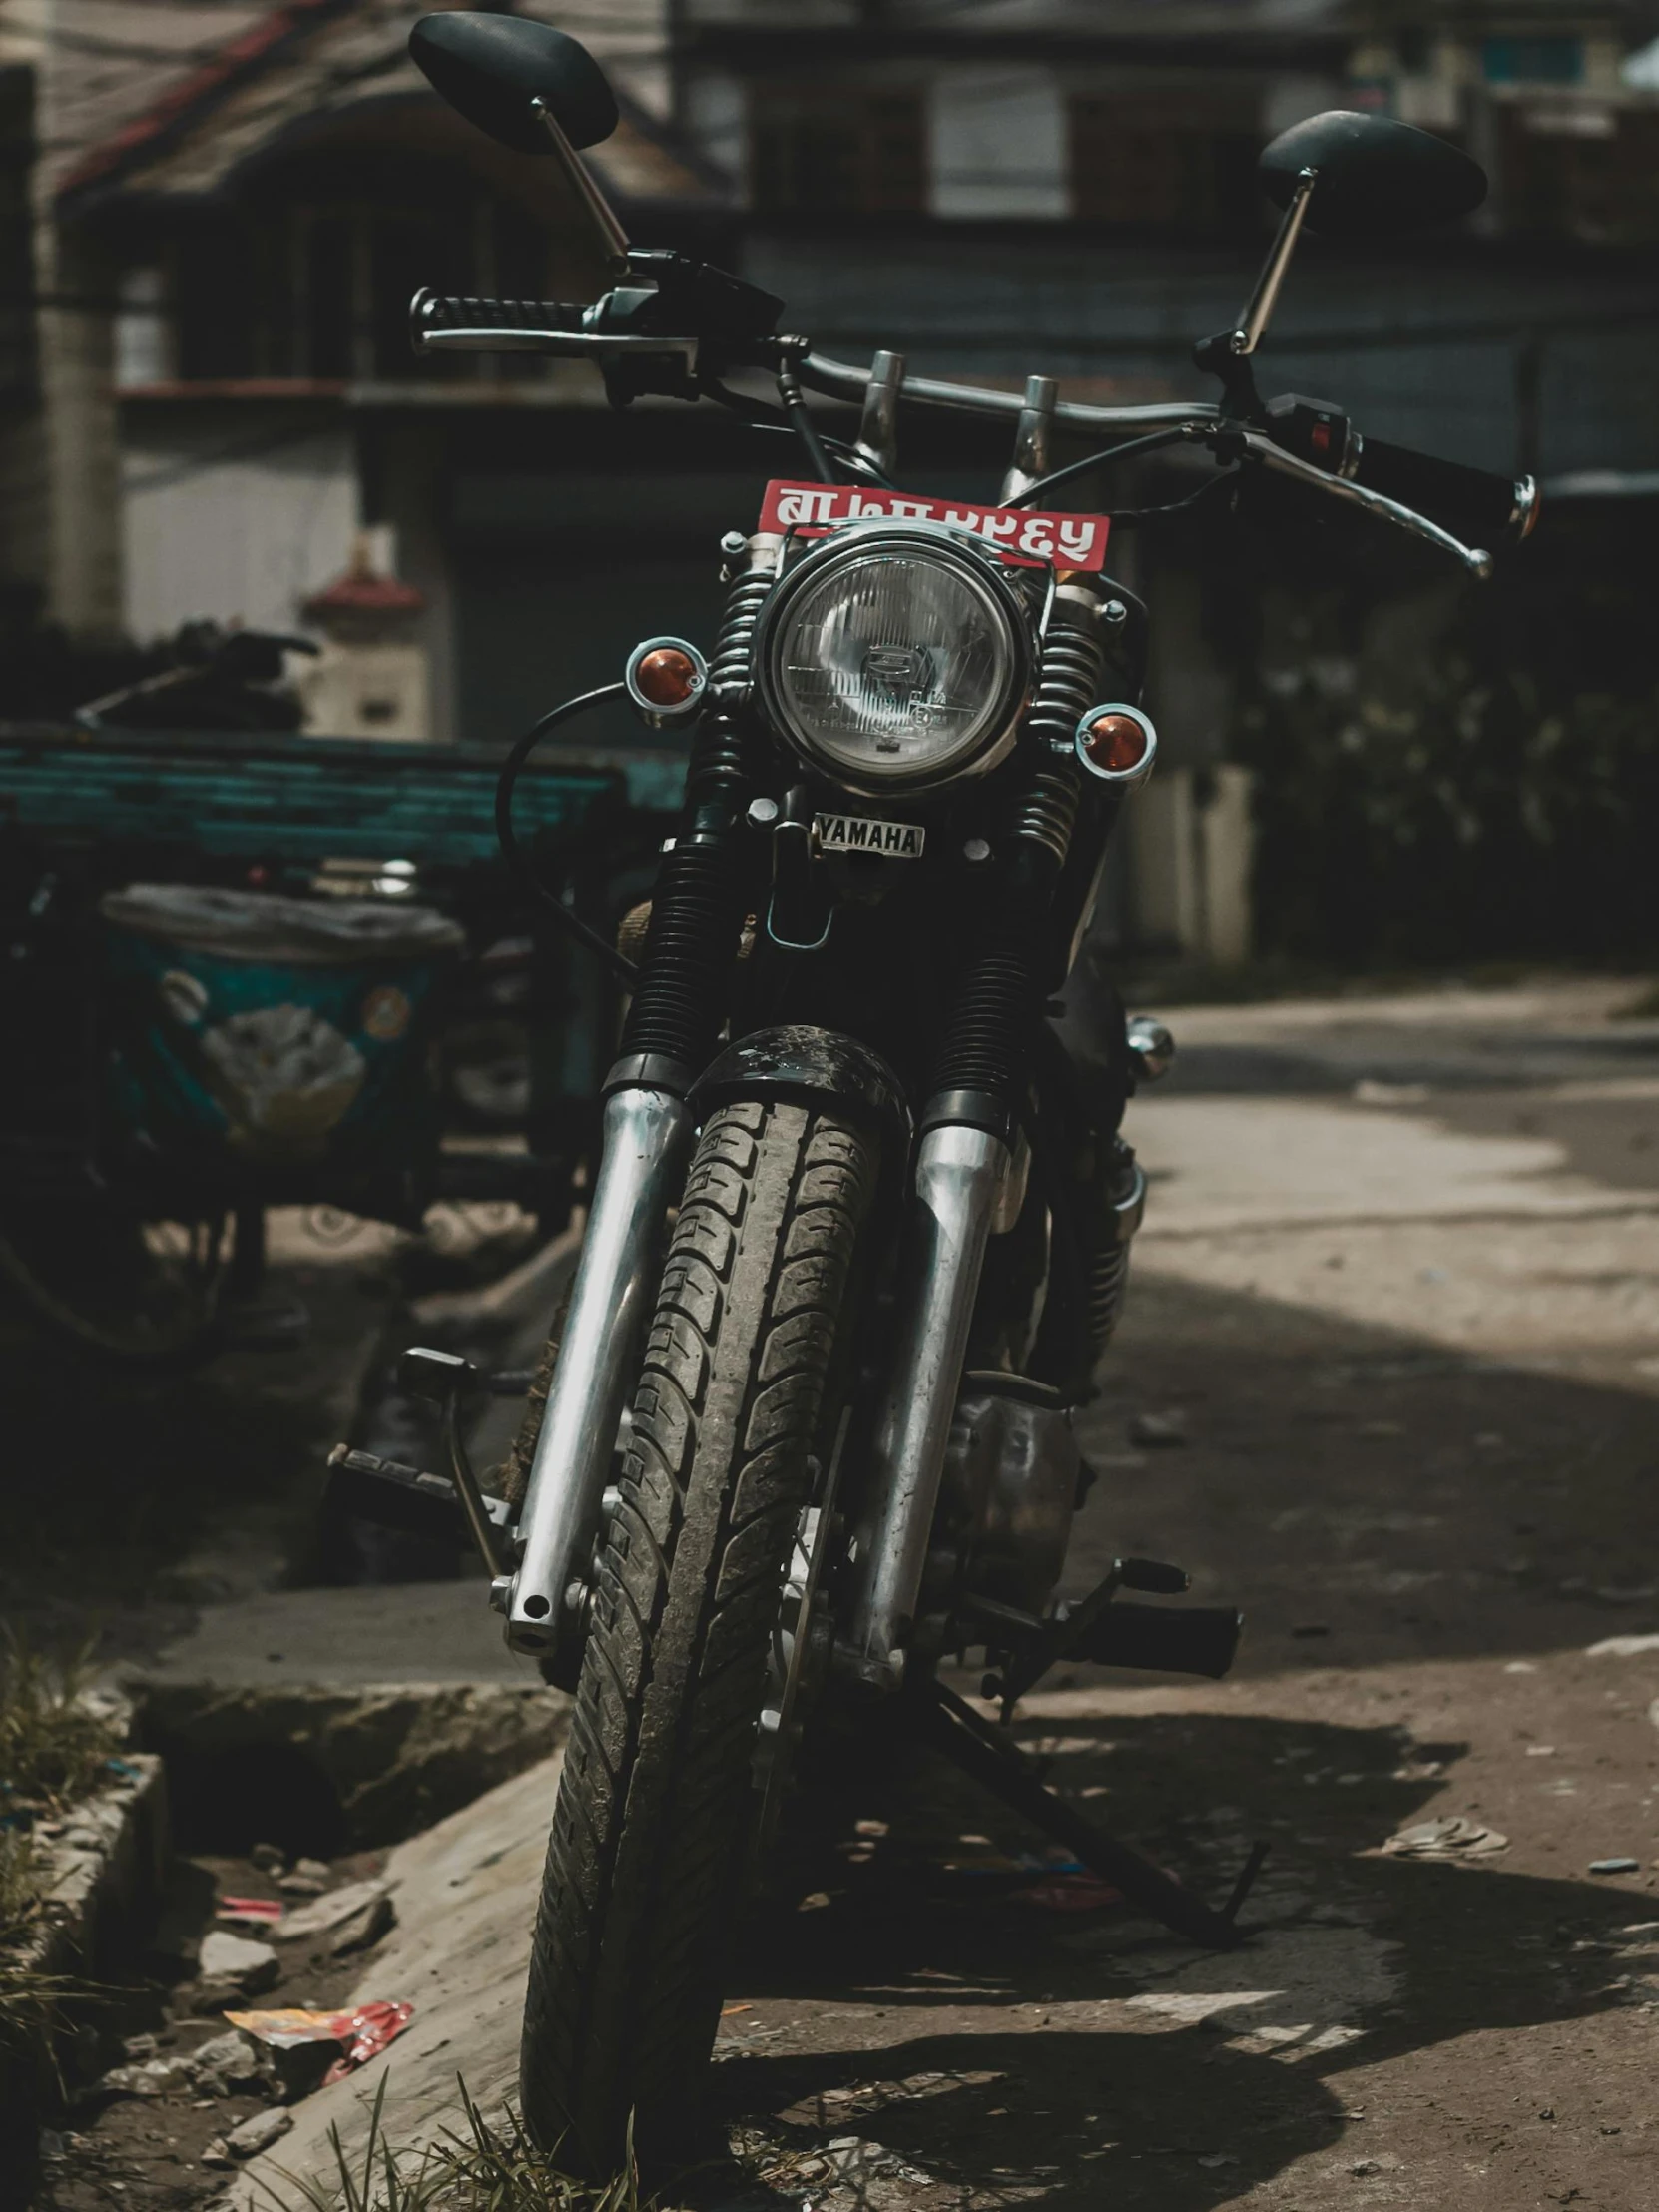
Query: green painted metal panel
302, 797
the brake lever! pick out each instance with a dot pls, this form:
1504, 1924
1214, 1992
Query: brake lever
1475, 558
569, 345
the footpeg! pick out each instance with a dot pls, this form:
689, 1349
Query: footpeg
394, 1496
1167, 1639
1200, 1639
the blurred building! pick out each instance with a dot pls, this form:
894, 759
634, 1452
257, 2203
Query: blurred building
227, 208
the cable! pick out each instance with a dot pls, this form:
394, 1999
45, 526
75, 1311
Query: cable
760, 416
789, 392
1124, 515
847, 456
513, 853
1149, 444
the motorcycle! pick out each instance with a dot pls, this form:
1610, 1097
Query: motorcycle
861, 1225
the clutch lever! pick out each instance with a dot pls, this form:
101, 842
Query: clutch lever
1235, 436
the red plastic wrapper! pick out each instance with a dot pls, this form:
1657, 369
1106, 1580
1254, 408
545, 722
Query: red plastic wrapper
266, 1911
364, 2031
1071, 1892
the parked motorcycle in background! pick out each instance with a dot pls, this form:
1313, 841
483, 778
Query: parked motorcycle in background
817, 1438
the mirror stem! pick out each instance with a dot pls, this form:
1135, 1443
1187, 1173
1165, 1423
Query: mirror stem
1265, 297
612, 237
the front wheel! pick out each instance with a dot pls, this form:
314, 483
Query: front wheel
656, 1801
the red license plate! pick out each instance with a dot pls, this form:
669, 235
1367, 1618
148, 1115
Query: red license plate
1029, 537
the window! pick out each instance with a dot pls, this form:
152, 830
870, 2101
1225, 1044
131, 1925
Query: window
1580, 170
1533, 61
1170, 161
313, 278
839, 150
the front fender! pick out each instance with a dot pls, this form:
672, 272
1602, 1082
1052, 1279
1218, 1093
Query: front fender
796, 1060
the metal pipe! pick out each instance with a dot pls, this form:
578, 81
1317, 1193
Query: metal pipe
1032, 443
959, 1172
840, 380
1259, 313
606, 226
878, 424
647, 1133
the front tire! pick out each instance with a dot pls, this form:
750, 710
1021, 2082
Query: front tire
656, 1800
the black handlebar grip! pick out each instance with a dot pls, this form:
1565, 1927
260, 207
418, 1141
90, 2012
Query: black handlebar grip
430, 310
1475, 502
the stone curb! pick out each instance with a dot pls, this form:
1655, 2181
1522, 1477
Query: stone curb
107, 1871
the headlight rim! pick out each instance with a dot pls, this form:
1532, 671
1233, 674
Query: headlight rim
981, 568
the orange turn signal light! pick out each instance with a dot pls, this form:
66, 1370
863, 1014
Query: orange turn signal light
666, 680
1117, 742
666, 677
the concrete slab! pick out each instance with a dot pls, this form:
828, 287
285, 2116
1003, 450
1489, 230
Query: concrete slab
465, 1893
399, 1702
367, 1634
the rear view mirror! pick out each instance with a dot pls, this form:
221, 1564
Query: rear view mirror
1371, 175
490, 68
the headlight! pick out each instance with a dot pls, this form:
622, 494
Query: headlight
895, 659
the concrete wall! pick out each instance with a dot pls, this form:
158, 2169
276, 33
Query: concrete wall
211, 528
1189, 860
80, 456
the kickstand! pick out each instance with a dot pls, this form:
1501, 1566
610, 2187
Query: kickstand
992, 1759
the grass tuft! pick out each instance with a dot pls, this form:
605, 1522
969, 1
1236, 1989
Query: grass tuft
487, 2167
53, 1743
52, 1746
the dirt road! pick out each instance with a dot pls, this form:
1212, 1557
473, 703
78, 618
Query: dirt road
1401, 1286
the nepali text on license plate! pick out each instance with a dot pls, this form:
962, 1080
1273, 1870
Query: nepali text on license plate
895, 841
1027, 539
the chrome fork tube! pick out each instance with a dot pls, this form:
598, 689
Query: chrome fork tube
959, 1172
646, 1135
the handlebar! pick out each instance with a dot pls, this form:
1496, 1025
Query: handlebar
429, 314
1492, 506
556, 327
838, 380
1388, 481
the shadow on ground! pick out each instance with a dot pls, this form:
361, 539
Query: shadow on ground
999, 2045
1367, 1496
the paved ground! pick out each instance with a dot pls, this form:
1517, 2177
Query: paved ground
1401, 1286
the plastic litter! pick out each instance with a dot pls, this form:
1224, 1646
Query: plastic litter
1067, 1886
364, 2031
1053, 1880
1451, 1837
249, 1912
1615, 1866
